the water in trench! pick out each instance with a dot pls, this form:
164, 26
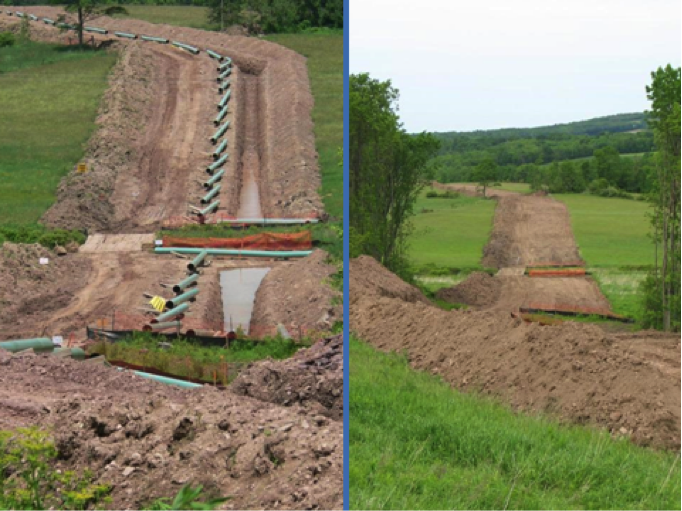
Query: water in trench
249, 195
238, 289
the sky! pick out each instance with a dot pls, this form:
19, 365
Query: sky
485, 64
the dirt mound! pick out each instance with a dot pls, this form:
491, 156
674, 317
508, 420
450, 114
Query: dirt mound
479, 289
312, 378
529, 231
147, 439
577, 372
30, 290
369, 278
298, 295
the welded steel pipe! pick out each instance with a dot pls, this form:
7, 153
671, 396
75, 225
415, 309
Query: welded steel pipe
33, 17
38, 344
75, 353
221, 131
48, 21
225, 74
168, 381
66, 26
216, 177
209, 196
187, 296
96, 30
10, 13
220, 117
154, 39
234, 252
209, 209
213, 166
220, 149
185, 283
197, 261
225, 99
224, 86
19, 14
214, 55
225, 65
180, 309
191, 49
155, 327
125, 34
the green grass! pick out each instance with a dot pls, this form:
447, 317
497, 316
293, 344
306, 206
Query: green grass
417, 444
178, 15
621, 288
452, 233
49, 98
325, 69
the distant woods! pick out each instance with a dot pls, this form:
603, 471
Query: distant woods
662, 287
387, 170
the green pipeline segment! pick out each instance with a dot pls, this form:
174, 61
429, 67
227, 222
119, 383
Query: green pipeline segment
191, 49
220, 132
225, 65
225, 74
75, 353
214, 55
185, 283
209, 196
33, 17
154, 39
126, 35
48, 21
155, 327
184, 297
177, 311
220, 117
216, 177
19, 14
233, 252
224, 86
39, 344
194, 264
168, 381
209, 209
96, 30
213, 166
225, 99
219, 150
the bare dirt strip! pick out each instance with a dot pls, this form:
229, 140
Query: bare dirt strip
627, 383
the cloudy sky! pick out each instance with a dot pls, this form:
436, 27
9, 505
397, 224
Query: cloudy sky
486, 64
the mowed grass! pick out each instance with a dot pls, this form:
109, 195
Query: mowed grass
622, 289
178, 15
324, 52
610, 232
48, 107
450, 233
417, 444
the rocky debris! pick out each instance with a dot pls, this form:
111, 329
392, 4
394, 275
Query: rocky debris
312, 378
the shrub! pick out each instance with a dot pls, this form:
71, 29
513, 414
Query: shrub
7, 39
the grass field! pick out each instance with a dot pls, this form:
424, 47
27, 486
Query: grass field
49, 96
450, 233
325, 68
417, 444
178, 15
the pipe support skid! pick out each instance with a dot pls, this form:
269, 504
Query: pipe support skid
216, 177
214, 55
225, 99
191, 49
38, 344
209, 209
188, 295
207, 198
154, 39
126, 35
220, 149
221, 131
233, 252
168, 381
220, 117
185, 283
213, 166
197, 261
95, 29
180, 309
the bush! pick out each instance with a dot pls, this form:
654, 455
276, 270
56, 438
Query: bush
447, 194
7, 39
39, 234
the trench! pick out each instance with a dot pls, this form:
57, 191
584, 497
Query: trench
250, 134
238, 288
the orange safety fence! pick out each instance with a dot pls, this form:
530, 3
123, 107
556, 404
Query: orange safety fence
566, 264
263, 241
570, 309
569, 272
177, 221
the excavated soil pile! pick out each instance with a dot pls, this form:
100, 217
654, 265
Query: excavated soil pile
313, 378
471, 190
479, 290
147, 439
369, 278
628, 383
29, 291
298, 295
531, 231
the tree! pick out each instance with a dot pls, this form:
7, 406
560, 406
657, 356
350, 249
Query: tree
387, 170
87, 10
485, 173
664, 119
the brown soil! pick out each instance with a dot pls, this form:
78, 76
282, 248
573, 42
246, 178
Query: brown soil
177, 91
298, 296
627, 383
530, 231
369, 278
147, 439
479, 290
472, 190
313, 378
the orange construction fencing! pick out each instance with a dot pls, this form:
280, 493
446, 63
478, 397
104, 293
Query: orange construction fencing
263, 241
568, 272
